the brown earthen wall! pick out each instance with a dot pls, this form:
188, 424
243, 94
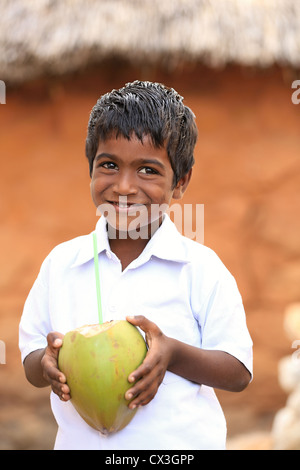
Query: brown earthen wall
247, 175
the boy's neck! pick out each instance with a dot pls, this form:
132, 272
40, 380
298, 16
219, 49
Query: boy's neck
126, 248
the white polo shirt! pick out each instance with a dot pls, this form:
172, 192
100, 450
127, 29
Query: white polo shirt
177, 283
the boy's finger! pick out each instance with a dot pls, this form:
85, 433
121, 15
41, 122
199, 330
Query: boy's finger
136, 320
55, 340
144, 369
143, 382
142, 322
140, 397
54, 374
62, 391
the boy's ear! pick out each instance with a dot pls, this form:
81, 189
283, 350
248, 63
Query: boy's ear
181, 186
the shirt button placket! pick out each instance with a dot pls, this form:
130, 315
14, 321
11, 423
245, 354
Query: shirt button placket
114, 295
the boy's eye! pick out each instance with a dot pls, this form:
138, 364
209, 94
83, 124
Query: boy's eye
108, 165
146, 170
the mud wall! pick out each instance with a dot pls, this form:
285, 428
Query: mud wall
247, 175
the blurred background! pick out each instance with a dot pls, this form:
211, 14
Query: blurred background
234, 62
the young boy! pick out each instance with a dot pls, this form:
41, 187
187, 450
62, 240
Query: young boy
140, 146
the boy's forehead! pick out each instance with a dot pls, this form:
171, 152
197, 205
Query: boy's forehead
116, 140
132, 149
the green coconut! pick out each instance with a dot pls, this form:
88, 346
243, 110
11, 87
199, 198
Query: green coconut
97, 360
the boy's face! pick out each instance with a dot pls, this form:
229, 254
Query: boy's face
131, 181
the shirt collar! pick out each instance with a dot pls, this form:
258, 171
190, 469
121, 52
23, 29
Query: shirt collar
166, 243
86, 250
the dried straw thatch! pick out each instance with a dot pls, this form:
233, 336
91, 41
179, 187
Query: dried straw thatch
57, 36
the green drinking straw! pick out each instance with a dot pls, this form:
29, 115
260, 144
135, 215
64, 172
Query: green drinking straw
96, 264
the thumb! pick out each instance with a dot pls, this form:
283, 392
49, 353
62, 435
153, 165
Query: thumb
146, 325
138, 320
55, 340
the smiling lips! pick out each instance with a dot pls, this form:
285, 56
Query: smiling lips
126, 207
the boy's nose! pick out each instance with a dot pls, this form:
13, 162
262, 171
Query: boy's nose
125, 185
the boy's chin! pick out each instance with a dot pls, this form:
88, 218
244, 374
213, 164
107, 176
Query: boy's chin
137, 228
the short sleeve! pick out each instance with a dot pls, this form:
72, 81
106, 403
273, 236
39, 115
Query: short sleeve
223, 321
35, 324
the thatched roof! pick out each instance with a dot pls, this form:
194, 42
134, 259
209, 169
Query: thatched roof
57, 36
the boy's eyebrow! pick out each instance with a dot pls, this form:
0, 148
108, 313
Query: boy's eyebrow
105, 155
152, 161
142, 161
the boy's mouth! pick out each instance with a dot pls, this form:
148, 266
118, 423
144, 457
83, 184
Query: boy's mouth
122, 205
125, 206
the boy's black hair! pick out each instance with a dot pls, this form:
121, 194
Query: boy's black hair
145, 108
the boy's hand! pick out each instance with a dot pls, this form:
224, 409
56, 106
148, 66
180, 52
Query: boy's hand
149, 375
49, 363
